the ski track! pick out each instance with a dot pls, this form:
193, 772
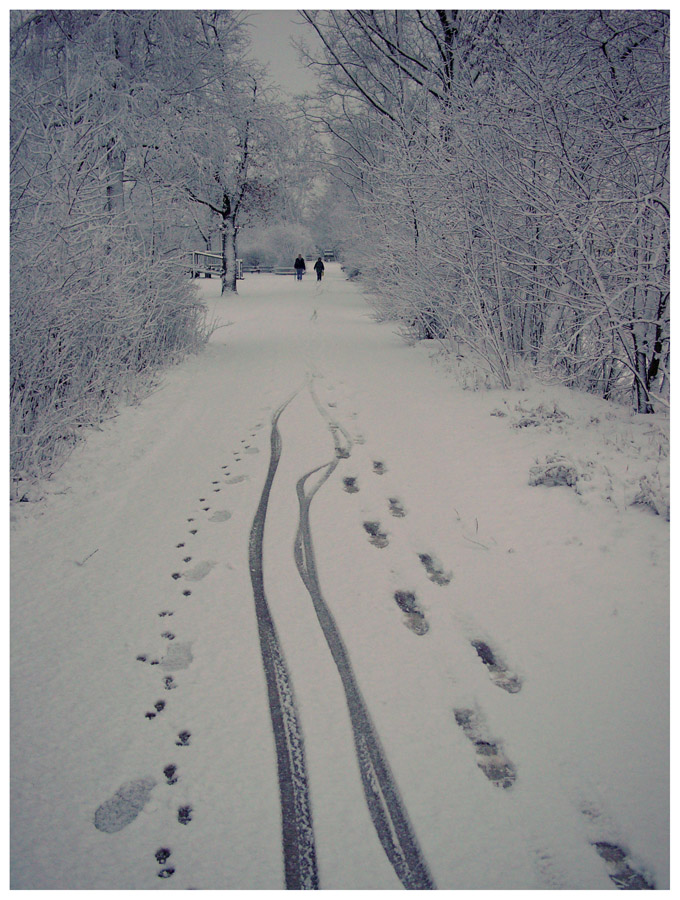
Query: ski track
296, 816
382, 796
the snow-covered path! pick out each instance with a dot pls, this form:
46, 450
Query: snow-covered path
443, 676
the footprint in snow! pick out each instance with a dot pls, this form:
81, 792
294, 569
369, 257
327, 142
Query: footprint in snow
350, 485
620, 872
435, 570
125, 805
500, 675
184, 739
178, 656
199, 571
170, 773
159, 706
237, 479
379, 467
396, 507
490, 756
162, 855
414, 616
375, 536
184, 815
220, 515
552, 876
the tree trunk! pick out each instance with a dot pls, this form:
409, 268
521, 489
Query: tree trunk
115, 196
228, 255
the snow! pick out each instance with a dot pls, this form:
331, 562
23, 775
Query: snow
566, 586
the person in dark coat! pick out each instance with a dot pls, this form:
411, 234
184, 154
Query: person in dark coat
319, 269
300, 267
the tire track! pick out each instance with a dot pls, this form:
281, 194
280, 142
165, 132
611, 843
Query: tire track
299, 849
382, 795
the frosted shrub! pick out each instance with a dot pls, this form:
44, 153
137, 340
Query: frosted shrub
85, 340
540, 416
112, 169
555, 470
654, 493
490, 205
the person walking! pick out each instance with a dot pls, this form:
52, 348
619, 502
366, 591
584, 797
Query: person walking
319, 269
300, 267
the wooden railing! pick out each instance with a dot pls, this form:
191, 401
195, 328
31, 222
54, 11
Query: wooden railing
209, 264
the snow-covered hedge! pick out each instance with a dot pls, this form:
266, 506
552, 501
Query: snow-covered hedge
86, 340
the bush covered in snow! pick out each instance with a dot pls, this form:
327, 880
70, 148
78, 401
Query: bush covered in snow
554, 470
654, 493
491, 206
84, 339
99, 297
596, 448
540, 416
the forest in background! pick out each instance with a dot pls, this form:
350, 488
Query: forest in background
504, 179
499, 180
135, 136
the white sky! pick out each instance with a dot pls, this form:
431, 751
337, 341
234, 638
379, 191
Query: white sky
271, 34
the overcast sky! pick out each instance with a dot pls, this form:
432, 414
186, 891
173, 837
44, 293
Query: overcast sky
271, 34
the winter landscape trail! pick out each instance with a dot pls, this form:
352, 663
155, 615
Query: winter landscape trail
298, 620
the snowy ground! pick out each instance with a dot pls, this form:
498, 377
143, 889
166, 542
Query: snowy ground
507, 643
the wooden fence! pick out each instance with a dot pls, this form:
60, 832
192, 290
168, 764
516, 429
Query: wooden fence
209, 264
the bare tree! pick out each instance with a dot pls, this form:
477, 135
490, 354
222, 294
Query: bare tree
509, 175
98, 296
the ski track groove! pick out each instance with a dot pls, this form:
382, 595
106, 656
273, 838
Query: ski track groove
382, 795
299, 849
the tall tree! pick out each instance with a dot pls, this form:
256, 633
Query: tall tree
101, 104
510, 178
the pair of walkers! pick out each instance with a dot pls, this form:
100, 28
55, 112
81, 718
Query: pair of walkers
301, 268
